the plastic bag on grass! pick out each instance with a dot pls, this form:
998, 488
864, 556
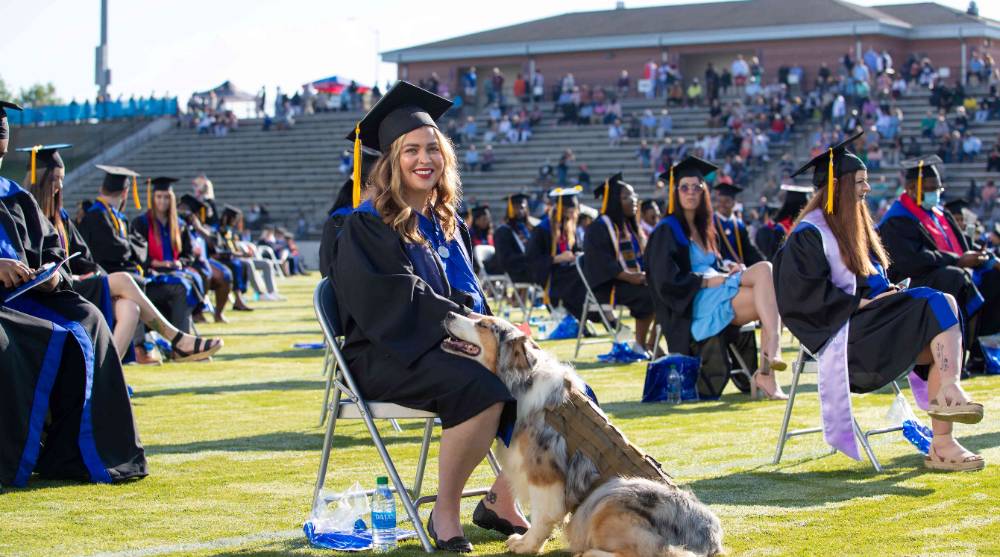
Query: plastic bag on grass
338, 521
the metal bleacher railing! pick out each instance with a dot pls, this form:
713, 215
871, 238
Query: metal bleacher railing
107, 110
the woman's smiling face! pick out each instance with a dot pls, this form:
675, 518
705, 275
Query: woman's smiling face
420, 160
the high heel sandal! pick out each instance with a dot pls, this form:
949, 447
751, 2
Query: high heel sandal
200, 352
768, 365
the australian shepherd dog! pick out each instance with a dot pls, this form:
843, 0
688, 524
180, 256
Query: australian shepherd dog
611, 516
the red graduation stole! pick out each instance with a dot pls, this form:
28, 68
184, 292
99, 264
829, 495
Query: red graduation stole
942, 234
156, 241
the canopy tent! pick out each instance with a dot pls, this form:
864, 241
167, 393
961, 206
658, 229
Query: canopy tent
242, 104
334, 85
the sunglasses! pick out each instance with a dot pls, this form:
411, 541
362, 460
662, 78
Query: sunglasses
688, 188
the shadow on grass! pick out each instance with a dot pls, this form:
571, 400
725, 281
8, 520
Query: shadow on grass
290, 385
289, 352
317, 332
286, 441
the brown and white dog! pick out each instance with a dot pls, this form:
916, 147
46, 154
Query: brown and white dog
623, 517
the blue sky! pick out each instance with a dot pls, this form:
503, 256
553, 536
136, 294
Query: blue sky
182, 46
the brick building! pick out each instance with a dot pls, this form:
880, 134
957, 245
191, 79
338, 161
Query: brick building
596, 46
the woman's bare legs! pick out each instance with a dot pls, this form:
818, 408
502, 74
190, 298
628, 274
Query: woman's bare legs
463, 447
126, 320
756, 301
945, 356
123, 287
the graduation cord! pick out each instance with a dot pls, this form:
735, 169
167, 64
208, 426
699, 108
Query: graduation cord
114, 219
739, 245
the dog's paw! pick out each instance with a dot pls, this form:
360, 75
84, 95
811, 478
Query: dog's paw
522, 544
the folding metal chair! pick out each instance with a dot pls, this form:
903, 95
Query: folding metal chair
355, 407
742, 369
501, 287
591, 304
805, 362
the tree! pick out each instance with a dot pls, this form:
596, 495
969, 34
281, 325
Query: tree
40, 95
5, 93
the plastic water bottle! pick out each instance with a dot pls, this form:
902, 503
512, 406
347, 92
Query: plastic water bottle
674, 386
383, 517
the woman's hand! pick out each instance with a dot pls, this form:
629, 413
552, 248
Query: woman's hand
564, 257
866, 301
733, 267
14, 273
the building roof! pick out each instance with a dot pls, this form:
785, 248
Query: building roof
729, 21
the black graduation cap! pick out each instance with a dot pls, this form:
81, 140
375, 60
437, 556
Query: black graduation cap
192, 203
401, 110
647, 204
690, 166
730, 190
230, 212
163, 183
918, 169
44, 156
479, 210
956, 205
515, 199
843, 162
4, 133
117, 178
612, 186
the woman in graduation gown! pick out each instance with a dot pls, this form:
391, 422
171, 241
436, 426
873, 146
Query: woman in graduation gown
62, 380
119, 298
772, 235
228, 252
404, 262
696, 297
834, 296
511, 239
168, 246
216, 276
552, 251
613, 264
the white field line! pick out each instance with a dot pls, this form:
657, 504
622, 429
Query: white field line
220, 543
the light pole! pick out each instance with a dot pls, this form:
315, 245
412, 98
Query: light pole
102, 75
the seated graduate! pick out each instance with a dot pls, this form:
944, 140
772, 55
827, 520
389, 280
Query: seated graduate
481, 229
734, 240
834, 296
927, 245
168, 245
511, 239
613, 264
229, 253
105, 230
347, 199
404, 261
119, 298
215, 276
696, 295
66, 412
552, 251
770, 237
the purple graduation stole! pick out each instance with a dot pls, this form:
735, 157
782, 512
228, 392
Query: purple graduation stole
834, 382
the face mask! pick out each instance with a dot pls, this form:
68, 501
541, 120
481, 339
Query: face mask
931, 199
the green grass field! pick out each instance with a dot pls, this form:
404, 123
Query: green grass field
233, 448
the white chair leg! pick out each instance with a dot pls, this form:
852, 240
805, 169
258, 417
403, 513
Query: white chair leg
783, 435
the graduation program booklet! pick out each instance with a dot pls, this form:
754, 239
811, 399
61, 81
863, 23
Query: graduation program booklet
44, 273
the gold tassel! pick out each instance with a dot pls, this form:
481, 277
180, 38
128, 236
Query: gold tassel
356, 178
558, 224
829, 185
34, 156
670, 193
203, 215
604, 202
920, 182
510, 207
135, 192
149, 193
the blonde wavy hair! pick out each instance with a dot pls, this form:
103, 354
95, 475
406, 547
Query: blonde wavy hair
386, 179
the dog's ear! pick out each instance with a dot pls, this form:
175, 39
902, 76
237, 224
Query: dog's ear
521, 357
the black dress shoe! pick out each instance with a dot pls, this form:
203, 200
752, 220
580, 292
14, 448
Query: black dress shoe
489, 520
458, 544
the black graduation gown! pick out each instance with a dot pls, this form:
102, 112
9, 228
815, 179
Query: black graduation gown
54, 347
915, 255
769, 239
511, 253
563, 281
673, 287
885, 336
601, 266
730, 249
93, 288
392, 320
328, 243
125, 251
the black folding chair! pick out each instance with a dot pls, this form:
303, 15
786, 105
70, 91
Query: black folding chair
355, 407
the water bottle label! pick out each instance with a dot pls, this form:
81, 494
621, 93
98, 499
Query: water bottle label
383, 519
